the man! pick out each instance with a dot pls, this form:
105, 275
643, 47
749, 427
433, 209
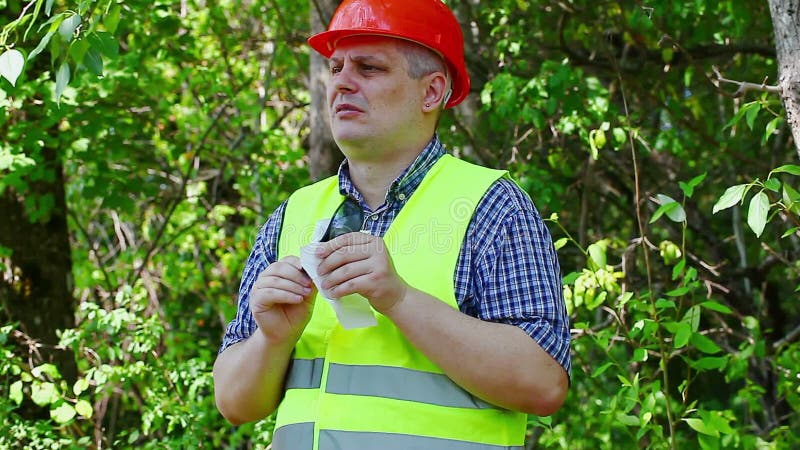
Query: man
471, 328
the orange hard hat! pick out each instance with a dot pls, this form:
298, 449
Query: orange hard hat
426, 22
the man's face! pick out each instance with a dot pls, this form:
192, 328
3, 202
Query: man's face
372, 102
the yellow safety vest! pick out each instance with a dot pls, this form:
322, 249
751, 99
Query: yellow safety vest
370, 388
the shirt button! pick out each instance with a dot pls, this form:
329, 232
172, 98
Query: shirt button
373, 217
401, 197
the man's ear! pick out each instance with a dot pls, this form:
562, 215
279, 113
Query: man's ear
435, 91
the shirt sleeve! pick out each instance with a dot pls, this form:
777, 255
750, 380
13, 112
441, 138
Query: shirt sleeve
511, 272
263, 253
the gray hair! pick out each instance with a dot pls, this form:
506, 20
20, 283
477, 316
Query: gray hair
421, 60
424, 61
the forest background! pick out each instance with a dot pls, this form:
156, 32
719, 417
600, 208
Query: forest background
145, 142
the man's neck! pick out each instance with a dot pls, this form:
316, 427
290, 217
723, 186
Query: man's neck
373, 178
373, 166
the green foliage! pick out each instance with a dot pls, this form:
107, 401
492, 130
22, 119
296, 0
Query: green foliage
180, 127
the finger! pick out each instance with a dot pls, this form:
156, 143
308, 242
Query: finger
354, 238
353, 285
293, 261
287, 270
267, 298
342, 256
344, 273
281, 284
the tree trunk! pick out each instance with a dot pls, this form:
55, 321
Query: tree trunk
39, 294
786, 22
323, 153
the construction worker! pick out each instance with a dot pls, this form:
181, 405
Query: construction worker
462, 328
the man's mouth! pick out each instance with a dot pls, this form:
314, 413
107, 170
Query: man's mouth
346, 107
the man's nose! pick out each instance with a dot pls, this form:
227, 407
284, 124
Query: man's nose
344, 80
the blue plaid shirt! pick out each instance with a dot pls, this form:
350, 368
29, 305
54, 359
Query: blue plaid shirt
507, 270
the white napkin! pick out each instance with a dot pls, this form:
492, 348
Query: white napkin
353, 311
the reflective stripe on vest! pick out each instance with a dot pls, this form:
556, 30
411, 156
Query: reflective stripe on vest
382, 381
298, 435
305, 374
370, 388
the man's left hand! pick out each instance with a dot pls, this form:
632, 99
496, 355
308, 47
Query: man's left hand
360, 263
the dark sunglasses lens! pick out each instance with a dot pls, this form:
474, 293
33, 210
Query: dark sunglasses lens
347, 219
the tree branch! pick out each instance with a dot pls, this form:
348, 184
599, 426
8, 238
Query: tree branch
744, 86
788, 338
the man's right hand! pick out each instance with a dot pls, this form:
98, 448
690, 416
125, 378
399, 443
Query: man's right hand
281, 301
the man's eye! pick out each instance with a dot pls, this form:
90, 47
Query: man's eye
336, 69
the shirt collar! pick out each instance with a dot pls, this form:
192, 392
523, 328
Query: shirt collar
406, 183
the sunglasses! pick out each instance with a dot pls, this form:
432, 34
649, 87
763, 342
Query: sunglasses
348, 218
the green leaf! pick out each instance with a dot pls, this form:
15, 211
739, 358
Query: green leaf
111, 19
718, 420
663, 303
15, 394
790, 195
42, 44
732, 196
692, 317
678, 269
46, 369
757, 213
93, 61
628, 420
77, 49
788, 168
742, 111
53, 22
678, 291
688, 188
770, 130
11, 64
790, 232
68, 26
62, 80
751, 114
773, 184
84, 408
486, 95
36, 10
597, 253
63, 413
710, 363
675, 213
593, 149
704, 344
570, 277
43, 393
597, 140
791, 199
105, 43
560, 243
639, 355
619, 136
682, 335
600, 370
81, 385
662, 210
702, 427
714, 306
